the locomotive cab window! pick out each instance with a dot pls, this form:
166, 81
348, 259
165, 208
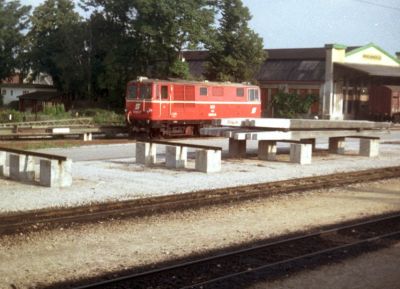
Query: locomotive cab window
145, 92
203, 91
132, 92
240, 92
253, 94
164, 92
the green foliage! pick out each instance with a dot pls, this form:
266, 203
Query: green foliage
102, 116
236, 52
180, 69
143, 38
13, 21
16, 116
57, 45
290, 105
56, 111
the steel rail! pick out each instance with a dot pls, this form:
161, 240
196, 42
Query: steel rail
16, 221
263, 246
291, 260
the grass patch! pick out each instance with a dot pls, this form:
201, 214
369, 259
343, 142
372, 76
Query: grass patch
57, 112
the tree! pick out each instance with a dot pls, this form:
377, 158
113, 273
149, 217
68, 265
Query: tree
236, 52
171, 26
57, 40
13, 21
144, 37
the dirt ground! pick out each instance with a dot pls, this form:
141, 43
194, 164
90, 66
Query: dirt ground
35, 259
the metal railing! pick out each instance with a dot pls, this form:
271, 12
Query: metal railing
82, 121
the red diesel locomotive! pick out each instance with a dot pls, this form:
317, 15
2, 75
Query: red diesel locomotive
179, 107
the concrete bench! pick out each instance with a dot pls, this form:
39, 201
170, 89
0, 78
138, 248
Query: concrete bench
55, 171
301, 150
208, 158
369, 146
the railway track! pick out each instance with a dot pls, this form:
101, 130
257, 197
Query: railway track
240, 268
57, 128
35, 220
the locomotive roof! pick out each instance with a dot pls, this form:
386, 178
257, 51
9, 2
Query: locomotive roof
181, 81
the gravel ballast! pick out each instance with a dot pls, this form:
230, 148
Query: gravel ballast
109, 173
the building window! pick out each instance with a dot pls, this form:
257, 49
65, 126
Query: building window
25, 92
12, 92
3, 92
203, 91
240, 91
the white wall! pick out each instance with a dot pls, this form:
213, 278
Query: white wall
12, 93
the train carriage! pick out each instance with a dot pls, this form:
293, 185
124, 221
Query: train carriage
384, 103
178, 107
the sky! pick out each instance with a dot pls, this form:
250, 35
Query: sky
314, 23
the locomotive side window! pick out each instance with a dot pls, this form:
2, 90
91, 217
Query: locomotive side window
253, 94
240, 91
132, 92
164, 92
203, 91
145, 92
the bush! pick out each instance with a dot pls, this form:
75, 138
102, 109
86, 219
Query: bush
56, 111
290, 105
16, 116
102, 116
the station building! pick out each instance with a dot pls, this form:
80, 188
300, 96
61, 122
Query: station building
341, 76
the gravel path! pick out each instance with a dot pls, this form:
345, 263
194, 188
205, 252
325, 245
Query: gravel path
109, 173
35, 259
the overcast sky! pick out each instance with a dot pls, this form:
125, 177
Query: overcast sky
314, 23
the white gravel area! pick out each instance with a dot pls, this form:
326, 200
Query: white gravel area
109, 173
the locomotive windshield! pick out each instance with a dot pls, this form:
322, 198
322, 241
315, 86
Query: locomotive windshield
145, 92
131, 92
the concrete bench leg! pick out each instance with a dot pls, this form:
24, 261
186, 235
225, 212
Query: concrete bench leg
237, 148
22, 167
2, 163
146, 153
369, 147
300, 153
176, 157
208, 161
337, 145
54, 173
310, 141
267, 150
87, 137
